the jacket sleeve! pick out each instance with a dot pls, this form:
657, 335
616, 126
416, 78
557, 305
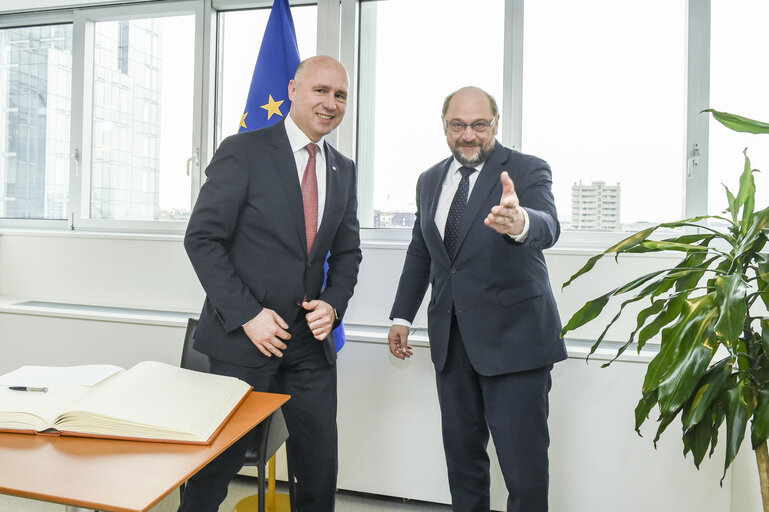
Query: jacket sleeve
416, 272
344, 260
537, 198
210, 231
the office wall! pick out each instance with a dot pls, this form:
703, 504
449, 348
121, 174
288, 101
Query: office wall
388, 415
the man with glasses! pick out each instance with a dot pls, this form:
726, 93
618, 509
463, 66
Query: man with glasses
484, 216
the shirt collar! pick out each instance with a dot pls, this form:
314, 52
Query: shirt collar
455, 165
298, 139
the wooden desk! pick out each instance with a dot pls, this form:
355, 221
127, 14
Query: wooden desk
115, 476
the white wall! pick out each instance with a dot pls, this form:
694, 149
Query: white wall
388, 414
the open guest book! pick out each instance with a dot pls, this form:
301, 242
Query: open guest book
152, 401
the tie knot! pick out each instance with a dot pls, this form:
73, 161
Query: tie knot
466, 171
312, 149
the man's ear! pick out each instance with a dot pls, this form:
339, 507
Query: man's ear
291, 90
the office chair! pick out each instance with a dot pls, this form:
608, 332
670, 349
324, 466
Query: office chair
269, 435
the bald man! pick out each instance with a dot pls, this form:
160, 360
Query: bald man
484, 215
275, 203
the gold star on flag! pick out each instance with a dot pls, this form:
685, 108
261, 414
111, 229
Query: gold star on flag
273, 107
243, 121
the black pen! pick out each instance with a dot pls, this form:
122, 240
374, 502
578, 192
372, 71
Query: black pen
28, 388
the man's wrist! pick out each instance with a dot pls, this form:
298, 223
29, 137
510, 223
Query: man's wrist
401, 321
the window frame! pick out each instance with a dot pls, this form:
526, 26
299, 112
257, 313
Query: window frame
694, 168
82, 82
338, 35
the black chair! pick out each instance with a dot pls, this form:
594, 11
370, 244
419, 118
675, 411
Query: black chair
269, 435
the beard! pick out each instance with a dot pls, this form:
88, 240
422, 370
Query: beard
479, 157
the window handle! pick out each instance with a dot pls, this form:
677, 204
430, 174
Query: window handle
75, 155
194, 159
694, 161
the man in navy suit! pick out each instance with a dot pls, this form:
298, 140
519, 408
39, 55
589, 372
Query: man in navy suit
275, 203
493, 324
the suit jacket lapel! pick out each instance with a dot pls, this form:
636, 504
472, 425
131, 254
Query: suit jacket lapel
437, 188
334, 187
286, 167
484, 184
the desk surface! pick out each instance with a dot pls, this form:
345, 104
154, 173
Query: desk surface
115, 476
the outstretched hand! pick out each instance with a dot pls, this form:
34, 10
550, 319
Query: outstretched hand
507, 217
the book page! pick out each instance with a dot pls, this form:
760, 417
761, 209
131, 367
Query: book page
86, 375
157, 400
25, 410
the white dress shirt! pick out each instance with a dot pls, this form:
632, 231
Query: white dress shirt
298, 141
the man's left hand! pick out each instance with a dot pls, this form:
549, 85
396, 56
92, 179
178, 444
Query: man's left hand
507, 217
320, 318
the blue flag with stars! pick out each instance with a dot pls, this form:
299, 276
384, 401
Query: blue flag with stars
278, 59
268, 101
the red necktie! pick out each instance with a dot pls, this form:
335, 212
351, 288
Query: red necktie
310, 197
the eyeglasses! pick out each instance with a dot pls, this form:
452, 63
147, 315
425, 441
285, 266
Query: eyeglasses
477, 127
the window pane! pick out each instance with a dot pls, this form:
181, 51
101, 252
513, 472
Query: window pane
35, 92
240, 37
739, 73
412, 55
604, 92
142, 118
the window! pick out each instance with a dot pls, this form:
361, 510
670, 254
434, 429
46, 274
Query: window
141, 118
604, 103
240, 37
35, 111
739, 74
412, 55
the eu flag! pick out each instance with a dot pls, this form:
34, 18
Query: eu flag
278, 59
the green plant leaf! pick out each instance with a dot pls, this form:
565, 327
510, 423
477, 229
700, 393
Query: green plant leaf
672, 246
765, 336
665, 420
730, 298
715, 381
672, 310
675, 342
644, 407
697, 439
698, 345
733, 209
586, 313
759, 431
739, 407
593, 308
746, 195
739, 123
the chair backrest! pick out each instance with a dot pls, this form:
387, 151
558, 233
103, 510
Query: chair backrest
191, 358
270, 434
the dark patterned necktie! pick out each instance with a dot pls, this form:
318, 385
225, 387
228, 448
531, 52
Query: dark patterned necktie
456, 210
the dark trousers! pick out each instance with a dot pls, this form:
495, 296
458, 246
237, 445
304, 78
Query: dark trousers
304, 373
514, 407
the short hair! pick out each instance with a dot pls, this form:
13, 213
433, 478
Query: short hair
492, 102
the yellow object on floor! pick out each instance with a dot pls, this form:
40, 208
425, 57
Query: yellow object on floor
250, 504
274, 502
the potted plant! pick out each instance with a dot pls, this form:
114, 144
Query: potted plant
710, 311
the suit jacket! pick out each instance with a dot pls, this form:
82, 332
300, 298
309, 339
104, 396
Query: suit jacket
247, 243
498, 288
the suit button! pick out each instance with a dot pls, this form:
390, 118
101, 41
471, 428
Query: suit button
453, 270
298, 302
309, 265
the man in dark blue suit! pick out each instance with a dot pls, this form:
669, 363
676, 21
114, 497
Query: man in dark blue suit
275, 203
493, 324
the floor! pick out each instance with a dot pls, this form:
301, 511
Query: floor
242, 487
